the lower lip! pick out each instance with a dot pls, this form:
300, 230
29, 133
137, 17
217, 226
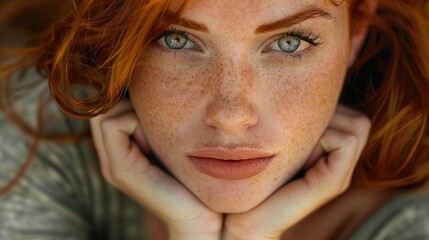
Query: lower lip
230, 169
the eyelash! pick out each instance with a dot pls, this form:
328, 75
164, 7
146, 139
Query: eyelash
170, 31
306, 36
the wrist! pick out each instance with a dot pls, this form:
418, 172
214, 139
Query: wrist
173, 235
201, 231
240, 230
229, 236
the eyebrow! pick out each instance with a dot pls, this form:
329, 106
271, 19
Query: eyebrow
288, 21
192, 25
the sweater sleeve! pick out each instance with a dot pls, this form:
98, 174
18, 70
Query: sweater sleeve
62, 195
406, 218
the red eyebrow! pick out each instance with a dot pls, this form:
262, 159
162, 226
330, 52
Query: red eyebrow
299, 17
192, 25
288, 21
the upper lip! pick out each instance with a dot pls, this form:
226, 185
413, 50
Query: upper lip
231, 154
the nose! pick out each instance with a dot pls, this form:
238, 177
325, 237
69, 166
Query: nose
231, 107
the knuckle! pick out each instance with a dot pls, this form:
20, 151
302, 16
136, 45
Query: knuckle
344, 186
117, 178
361, 124
351, 140
338, 188
338, 183
107, 177
312, 183
107, 124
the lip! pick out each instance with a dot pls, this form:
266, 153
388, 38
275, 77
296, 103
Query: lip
230, 164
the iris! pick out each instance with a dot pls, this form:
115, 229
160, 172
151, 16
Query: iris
289, 44
175, 41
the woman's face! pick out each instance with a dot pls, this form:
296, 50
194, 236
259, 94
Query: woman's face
235, 95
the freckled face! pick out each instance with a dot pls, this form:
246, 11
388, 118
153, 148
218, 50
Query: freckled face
237, 84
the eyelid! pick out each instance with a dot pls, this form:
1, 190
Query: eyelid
171, 30
307, 36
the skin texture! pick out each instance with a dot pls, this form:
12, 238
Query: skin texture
231, 92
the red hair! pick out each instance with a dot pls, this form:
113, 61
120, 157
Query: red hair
394, 65
91, 52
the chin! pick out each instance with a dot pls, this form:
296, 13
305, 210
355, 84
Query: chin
225, 196
233, 201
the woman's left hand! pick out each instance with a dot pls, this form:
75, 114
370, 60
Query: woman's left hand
343, 142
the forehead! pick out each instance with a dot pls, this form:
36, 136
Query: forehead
252, 11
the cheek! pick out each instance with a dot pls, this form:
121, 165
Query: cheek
162, 98
303, 101
301, 95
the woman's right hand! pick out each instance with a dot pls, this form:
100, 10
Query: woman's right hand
120, 144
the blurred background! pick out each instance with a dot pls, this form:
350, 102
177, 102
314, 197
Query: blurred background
22, 20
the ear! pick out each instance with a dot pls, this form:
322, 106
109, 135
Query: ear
367, 9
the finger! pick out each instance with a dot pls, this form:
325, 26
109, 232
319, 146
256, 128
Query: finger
346, 120
121, 150
129, 170
95, 124
354, 123
347, 110
121, 107
343, 153
132, 172
97, 138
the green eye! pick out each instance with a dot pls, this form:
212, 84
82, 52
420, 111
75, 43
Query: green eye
175, 40
289, 44
293, 43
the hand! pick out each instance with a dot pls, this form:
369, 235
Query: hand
329, 176
120, 144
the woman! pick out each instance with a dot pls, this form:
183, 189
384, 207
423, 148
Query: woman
230, 126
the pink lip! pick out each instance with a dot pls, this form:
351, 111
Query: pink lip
230, 164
